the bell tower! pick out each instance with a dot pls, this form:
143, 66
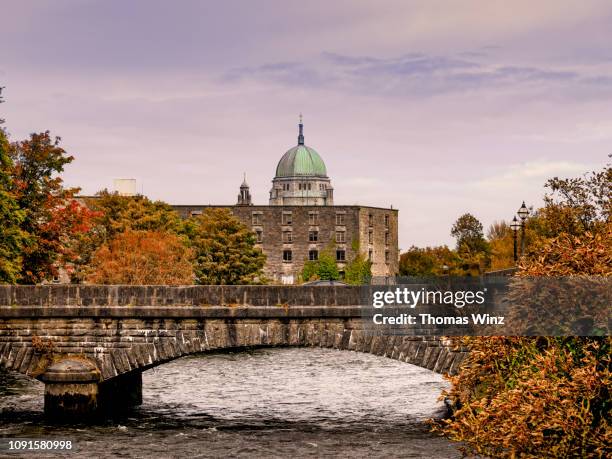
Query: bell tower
244, 197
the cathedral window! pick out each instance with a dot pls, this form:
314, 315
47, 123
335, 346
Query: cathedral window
287, 218
387, 257
340, 219
370, 220
370, 255
341, 237
287, 256
340, 255
313, 255
259, 236
386, 221
313, 218
370, 237
287, 237
256, 218
313, 236
309, 186
387, 238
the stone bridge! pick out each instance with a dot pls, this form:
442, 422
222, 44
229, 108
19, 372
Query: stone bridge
89, 344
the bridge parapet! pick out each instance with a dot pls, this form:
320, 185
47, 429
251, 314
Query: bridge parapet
200, 295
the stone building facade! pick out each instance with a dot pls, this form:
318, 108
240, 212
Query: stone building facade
291, 235
301, 220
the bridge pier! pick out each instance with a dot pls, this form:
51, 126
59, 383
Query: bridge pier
71, 390
121, 392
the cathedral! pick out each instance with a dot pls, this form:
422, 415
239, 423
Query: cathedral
301, 220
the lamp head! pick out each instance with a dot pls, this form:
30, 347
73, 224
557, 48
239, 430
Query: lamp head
515, 225
523, 212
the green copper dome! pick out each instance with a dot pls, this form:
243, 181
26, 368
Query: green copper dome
301, 161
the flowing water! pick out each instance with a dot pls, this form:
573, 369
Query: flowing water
263, 403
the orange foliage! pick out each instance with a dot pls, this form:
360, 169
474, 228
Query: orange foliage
568, 255
533, 397
545, 396
143, 258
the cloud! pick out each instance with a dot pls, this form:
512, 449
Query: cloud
422, 75
530, 174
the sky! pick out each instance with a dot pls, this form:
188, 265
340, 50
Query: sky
436, 108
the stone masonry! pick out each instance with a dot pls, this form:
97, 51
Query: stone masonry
125, 329
338, 227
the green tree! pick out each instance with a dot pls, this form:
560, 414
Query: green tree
359, 270
224, 249
472, 247
12, 237
325, 268
467, 230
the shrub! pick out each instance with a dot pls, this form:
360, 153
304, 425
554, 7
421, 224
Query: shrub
533, 397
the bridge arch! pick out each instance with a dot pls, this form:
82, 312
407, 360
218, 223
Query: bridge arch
123, 330
123, 345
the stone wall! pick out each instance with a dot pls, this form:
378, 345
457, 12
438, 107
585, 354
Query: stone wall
130, 329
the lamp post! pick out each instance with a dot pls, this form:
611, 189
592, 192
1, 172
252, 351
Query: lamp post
515, 225
523, 212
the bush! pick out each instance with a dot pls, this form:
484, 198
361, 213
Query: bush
533, 397
324, 268
540, 397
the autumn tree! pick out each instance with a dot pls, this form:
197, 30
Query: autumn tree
224, 249
1, 102
51, 217
12, 237
578, 205
501, 244
142, 258
120, 213
115, 214
429, 261
546, 396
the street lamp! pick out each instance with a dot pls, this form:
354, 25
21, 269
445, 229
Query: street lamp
515, 225
523, 212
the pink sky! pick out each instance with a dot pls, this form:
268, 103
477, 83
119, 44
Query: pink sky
437, 108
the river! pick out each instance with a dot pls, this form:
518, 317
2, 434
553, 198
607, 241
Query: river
264, 403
